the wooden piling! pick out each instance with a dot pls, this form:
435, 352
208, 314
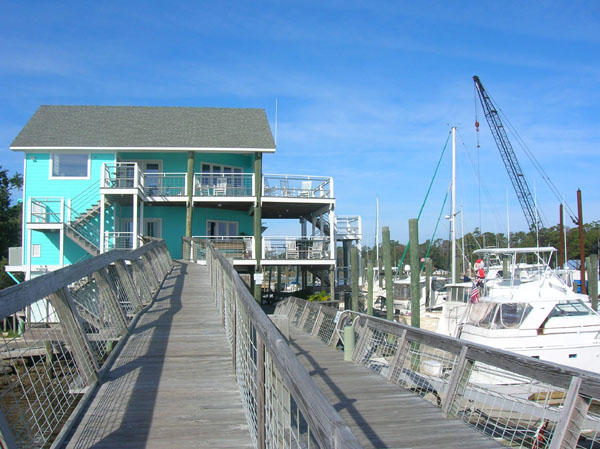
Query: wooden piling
415, 273
354, 274
387, 262
190, 194
258, 222
370, 289
581, 243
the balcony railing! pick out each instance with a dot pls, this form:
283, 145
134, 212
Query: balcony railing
295, 248
232, 247
46, 210
121, 175
223, 184
348, 226
120, 240
165, 184
126, 175
292, 186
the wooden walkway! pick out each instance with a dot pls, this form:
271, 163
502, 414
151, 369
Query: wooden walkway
380, 414
172, 385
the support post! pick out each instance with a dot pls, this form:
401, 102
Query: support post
348, 343
592, 266
428, 270
387, 262
505, 271
189, 211
581, 243
258, 222
332, 282
134, 226
354, 268
102, 221
415, 273
370, 288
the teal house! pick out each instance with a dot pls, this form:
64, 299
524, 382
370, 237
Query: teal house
98, 178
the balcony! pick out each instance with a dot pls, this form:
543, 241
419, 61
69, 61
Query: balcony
293, 186
302, 250
224, 185
46, 211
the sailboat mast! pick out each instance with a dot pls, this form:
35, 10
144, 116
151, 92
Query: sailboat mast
453, 217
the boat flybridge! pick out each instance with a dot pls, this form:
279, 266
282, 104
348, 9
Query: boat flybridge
531, 310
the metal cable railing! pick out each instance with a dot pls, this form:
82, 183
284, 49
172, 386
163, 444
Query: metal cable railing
75, 317
284, 407
520, 401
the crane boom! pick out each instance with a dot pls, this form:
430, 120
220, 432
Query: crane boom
508, 157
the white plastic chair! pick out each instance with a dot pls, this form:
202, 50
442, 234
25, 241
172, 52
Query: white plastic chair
316, 250
291, 250
306, 190
221, 188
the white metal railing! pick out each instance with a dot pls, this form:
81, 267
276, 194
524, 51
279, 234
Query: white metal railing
121, 175
295, 248
297, 186
224, 184
46, 210
348, 226
165, 184
232, 247
120, 240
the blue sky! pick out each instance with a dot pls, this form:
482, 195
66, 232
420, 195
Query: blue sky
367, 91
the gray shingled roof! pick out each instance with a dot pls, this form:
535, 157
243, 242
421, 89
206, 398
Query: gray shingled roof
146, 127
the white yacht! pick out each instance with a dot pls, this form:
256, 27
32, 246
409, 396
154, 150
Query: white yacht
530, 311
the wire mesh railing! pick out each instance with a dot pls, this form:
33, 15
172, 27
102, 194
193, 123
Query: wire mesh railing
76, 316
520, 401
284, 407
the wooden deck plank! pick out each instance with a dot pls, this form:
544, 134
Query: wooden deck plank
172, 384
380, 414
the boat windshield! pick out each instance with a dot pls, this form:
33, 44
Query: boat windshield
574, 307
439, 285
498, 316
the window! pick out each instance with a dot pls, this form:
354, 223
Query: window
221, 228
36, 250
69, 165
232, 174
153, 227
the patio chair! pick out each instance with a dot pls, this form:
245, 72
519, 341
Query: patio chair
291, 250
306, 190
201, 189
221, 188
247, 247
316, 250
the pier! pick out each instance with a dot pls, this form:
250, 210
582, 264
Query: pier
137, 350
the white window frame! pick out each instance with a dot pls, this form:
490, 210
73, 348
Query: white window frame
227, 222
158, 222
126, 221
51, 165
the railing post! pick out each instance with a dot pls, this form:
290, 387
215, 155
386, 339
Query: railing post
318, 322
110, 300
458, 381
572, 417
399, 357
130, 290
81, 350
260, 385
